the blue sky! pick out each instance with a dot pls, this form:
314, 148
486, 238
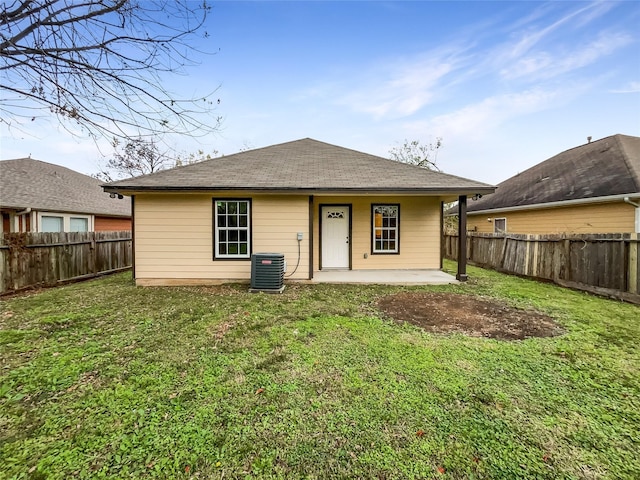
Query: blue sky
505, 84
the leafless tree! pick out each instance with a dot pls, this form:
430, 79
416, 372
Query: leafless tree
141, 156
195, 157
424, 155
101, 64
416, 153
134, 157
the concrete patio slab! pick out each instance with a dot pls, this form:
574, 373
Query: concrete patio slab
385, 277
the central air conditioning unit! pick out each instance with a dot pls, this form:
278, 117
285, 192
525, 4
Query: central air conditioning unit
267, 272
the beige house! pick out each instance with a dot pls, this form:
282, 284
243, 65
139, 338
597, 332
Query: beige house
37, 196
324, 207
593, 188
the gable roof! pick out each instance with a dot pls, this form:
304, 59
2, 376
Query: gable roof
44, 186
605, 167
302, 165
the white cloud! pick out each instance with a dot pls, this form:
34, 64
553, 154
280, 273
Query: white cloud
542, 50
476, 120
535, 34
406, 85
631, 87
544, 65
402, 94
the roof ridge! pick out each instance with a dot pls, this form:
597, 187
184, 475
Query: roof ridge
72, 171
436, 172
589, 142
537, 165
634, 170
303, 164
203, 162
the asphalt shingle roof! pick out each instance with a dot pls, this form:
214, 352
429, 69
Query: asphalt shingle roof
609, 166
302, 165
40, 185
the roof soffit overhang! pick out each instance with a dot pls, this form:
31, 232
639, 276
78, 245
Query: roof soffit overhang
564, 203
446, 191
39, 209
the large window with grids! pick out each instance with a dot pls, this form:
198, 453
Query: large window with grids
232, 228
385, 228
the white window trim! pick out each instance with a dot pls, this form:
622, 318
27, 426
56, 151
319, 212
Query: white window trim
66, 220
216, 229
495, 230
396, 228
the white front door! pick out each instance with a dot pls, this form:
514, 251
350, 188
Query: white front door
335, 237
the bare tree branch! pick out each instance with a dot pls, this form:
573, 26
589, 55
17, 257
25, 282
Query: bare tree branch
141, 156
100, 64
416, 153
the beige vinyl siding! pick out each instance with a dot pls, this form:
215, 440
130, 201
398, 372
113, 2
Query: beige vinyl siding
419, 232
277, 220
618, 217
174, 236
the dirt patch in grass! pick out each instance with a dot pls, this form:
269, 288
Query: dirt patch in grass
447, 312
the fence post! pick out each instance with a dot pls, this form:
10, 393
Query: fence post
527, 256
567, 252
503, 255
536, 254
93, 251
633, 263
4, 264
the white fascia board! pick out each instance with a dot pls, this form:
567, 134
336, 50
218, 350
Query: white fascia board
563, 203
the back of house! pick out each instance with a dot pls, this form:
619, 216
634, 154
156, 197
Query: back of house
322, 206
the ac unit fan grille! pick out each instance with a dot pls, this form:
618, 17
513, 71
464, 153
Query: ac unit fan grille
267, 272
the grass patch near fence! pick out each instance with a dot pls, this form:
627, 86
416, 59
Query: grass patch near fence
106, 380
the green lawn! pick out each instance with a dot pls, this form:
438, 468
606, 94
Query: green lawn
105, 380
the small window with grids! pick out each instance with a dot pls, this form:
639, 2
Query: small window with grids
385, 228
232, 229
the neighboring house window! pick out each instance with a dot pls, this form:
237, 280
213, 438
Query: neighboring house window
78, 224
385, 228
63, 222
50, 223
232, 228
500, 225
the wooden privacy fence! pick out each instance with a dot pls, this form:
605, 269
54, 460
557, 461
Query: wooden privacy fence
606, 264
45, 259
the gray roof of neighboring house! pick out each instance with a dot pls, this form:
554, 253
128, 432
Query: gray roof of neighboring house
307, 165
40, 185
605, 167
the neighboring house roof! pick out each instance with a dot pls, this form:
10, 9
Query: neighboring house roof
302, 165
40, 185
603, 168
